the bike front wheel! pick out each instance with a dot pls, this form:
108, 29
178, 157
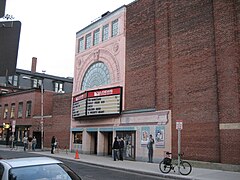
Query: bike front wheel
164, 168
185, 168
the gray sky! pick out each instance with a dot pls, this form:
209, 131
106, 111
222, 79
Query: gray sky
49, 30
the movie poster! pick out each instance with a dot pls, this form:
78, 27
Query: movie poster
160, 136
145, 132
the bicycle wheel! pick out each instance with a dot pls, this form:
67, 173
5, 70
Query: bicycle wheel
164, 168
185, 168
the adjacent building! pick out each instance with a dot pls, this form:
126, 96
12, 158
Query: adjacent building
23, 101
147, 65
24, 79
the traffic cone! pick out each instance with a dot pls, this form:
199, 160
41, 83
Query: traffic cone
77, 155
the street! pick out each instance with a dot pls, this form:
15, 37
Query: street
86, 171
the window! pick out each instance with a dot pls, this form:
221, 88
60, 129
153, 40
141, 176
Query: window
58, 87
96, 75
105, 32
13, 80
5, 115
81, 44
96, 37
20, 109
77, 137
28, 109
115, 28
12, 113
36, 83
88, 40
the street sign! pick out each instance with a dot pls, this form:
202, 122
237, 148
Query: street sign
179, 124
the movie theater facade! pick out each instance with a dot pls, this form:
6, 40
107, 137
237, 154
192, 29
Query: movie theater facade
147, 66
98, 111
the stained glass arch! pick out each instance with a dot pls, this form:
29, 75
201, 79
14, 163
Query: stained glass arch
96, 75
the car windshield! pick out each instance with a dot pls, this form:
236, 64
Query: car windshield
43, 172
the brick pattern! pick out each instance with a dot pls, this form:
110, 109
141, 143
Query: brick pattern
59, 125
184, 56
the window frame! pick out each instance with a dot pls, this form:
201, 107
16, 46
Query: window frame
5, 114
58, 86
20, 110
96, 37
115, 28
81, 44
88, 43
28, 109
74, 137
12, 112
105, 32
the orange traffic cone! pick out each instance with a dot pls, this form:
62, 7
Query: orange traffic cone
77, 155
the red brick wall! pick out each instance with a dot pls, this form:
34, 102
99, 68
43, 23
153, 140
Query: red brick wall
184, 56
140, 63
35, 98
227, 40
59, 124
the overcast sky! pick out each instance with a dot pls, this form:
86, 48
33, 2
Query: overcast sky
49, 30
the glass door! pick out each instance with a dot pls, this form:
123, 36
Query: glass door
129, 144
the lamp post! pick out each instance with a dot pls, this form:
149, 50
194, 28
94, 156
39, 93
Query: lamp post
42, 115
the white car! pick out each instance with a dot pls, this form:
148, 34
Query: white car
35, 168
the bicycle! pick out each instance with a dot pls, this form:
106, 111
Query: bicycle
166, 165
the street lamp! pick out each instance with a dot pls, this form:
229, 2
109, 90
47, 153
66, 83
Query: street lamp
42, 116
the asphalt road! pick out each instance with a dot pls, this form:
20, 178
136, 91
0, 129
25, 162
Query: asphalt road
86, 171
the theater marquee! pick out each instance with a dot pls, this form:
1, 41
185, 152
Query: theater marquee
98, 102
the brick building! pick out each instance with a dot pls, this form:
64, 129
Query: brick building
20, 102
174, 60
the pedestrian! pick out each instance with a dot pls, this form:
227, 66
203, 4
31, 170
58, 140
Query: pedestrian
25, 143
34, 143
121, 148
30, 143
150, 148
56, 146
53, 143
115, 149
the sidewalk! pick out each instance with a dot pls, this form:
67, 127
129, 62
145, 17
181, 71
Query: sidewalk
142, 167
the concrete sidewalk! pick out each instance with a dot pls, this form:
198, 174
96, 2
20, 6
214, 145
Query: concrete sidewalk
142, 167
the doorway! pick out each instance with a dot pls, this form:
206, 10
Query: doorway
37, 134
129, 138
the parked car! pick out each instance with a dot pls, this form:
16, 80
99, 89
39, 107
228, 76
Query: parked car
35, 168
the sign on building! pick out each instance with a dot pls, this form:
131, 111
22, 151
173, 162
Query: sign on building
98, 102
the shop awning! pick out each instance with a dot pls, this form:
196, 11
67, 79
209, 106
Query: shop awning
76, 129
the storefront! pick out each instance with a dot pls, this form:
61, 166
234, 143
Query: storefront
134, 128
6, 134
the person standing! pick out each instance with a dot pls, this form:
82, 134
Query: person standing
53, 142
121, 148
115, 149
34, 143
30, 143
25, 143
150, 149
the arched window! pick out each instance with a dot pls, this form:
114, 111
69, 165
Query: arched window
96, 75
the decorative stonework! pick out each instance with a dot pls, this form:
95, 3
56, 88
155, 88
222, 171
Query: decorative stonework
96, 55
116, 48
